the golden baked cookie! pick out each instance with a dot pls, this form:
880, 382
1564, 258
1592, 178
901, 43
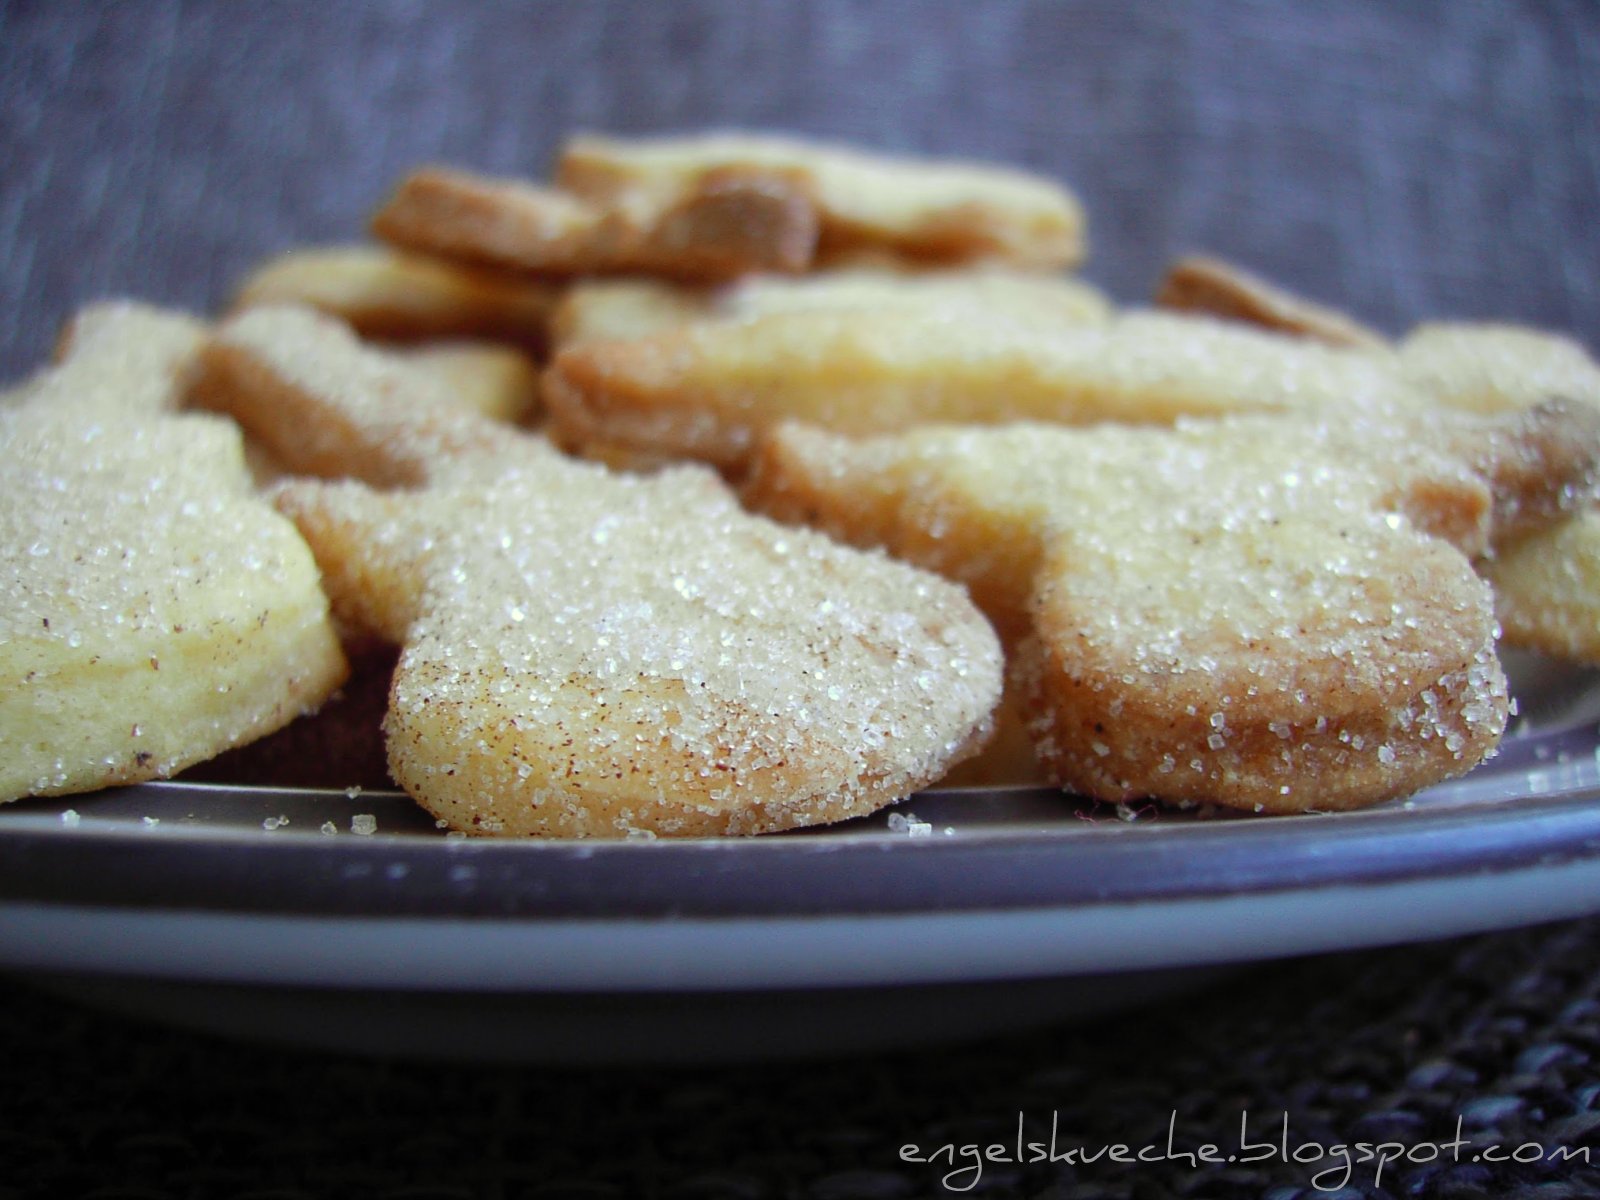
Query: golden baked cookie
710, 389
386, 294
591, 654
157, 610
1263, 612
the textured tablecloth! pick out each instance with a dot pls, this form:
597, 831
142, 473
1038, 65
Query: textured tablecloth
1400, 160
1501, 1033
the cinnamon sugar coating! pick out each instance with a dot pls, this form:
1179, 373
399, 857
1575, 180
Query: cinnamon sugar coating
157, 611
1272, 613
592, 654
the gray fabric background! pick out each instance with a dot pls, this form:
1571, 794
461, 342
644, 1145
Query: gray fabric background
1403, 160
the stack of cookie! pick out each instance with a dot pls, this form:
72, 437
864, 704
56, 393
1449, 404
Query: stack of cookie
569, 448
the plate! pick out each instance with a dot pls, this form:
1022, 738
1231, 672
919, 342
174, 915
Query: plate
277, 913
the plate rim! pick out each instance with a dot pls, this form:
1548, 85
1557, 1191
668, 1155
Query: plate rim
867, 872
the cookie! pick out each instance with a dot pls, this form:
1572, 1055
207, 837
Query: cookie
592, 654
389, 295
158, 611
917, 209
709, 390
1264, 613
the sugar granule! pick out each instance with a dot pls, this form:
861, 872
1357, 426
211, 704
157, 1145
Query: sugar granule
909, 824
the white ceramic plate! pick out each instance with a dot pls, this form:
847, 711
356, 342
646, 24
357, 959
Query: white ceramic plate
232, 908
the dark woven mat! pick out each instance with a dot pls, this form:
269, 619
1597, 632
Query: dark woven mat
1499, 1033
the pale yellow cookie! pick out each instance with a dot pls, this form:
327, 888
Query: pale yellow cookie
916, 208
1547, 589
590, 654
157, 611
322, 403
1496, 368
611, 310
1265, 613
494, 381
117, 356
709, 389
382, 293
728, 223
